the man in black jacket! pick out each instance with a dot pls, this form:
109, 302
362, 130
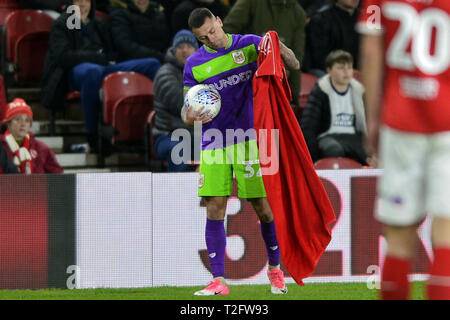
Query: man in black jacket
140, 31
331, 29
80, 55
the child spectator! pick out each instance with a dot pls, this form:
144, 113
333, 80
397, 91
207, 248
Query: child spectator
334, 121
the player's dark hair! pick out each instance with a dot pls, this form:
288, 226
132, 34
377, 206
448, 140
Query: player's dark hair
338, 56
198, 16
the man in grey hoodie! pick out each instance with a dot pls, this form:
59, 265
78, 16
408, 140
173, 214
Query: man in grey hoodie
168, 98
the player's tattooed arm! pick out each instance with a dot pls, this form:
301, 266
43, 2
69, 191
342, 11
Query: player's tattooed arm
289, 58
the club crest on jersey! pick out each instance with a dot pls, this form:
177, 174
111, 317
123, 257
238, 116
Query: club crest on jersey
238, 57
201, 180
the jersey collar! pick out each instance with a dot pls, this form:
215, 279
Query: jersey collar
229, 43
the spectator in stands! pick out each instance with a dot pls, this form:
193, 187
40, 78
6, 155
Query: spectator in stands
29, 155
80, 55
334, 122
181, 13
140, 31
328, 30
168, 101
286, 17
169, 6
311, 6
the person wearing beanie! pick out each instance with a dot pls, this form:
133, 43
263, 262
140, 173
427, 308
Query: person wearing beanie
168, 99
184, 37
27, 153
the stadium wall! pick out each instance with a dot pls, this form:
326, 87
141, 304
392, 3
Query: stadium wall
118, 230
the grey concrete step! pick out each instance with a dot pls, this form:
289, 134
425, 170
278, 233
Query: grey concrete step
30, 95
85, 160
54, 143
88, 170
62, 127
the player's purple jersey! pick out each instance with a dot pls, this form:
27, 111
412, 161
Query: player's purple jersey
230, 70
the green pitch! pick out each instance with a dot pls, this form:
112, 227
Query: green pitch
322, 291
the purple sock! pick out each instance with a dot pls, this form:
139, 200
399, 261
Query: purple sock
216, 241
270, 239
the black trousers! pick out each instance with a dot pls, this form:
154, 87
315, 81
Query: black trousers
343, 145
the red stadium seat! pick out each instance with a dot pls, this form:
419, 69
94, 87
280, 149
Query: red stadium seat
337, 163
307, 84
127, 101
72, 95
4, 13
357, 75
26, 39
101, 14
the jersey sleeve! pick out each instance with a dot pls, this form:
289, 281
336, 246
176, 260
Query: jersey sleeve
253, 39
370, 18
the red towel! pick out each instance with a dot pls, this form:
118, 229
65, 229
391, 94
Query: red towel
301, 207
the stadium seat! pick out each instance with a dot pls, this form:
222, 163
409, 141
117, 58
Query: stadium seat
26, 43
337, 163
4, 12
127, 101
121, 85
308, 82
100, 14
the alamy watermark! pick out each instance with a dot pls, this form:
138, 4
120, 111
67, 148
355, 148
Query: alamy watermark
73, 281
74, 20
373, 22
373, 281
228, 148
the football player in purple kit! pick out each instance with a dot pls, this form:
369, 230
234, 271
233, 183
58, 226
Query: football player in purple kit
228, 62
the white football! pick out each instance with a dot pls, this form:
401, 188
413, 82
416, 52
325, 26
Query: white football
202, 95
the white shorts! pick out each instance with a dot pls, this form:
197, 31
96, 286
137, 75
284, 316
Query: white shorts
416, 177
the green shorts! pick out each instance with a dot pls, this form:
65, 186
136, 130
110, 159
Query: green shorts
217, 167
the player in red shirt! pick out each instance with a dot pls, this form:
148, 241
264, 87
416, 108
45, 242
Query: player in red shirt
405, 51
